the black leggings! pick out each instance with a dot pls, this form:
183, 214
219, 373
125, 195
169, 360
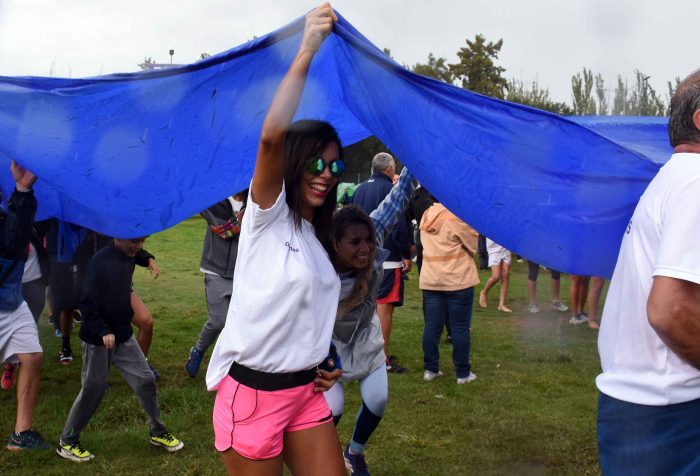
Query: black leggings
533, 270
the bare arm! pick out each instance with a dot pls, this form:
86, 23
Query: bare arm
673, 310
269, 164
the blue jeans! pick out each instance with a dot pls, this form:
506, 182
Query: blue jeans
641, 440
438, 306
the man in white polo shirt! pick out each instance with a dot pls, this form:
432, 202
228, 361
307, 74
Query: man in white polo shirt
649, 343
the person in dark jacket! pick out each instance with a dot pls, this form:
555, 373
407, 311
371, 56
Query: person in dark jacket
108, 339
19, 339
219, 253
368, 196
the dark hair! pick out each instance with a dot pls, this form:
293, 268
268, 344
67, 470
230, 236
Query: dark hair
305, 140
684, 103
342, 219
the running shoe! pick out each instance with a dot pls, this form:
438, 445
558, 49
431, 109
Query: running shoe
355, 464
74, 452
167, 441
559, 306
193, 362
8, 376
393, 367
65, 357
468, 379
577, 319
533, 308
26, 440
429, 376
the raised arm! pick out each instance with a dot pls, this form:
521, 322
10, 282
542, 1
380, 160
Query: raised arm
269, 164
393, 205
17, 226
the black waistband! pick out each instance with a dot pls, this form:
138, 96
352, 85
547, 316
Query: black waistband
270, 381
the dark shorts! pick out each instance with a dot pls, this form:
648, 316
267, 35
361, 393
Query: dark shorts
66, 282
391, 288
643, 439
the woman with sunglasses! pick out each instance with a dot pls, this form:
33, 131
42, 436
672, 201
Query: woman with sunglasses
269, 408
357, 335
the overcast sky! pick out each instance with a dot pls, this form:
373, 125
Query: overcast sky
547, 40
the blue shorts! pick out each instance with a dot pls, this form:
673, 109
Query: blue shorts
648, 440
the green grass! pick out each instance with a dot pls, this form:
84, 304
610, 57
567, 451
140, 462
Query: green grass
531, 411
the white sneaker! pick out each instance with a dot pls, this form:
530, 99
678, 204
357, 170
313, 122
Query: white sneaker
533, 308
559, 306
469, 379
578, 319
428, 375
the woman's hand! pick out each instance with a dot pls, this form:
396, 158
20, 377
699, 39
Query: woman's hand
24, 179
325, 380
319, 24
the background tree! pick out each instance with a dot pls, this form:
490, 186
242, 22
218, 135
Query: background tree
477, 70
436, 68
620, 97
582, 89
534, 96
601, 94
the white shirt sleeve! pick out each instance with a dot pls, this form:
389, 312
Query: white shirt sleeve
679, 252
256, 219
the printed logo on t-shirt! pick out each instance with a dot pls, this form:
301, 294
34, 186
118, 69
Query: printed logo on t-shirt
290, 247
629, 228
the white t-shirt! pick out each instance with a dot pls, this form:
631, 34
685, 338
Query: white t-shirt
661, 240
284, 299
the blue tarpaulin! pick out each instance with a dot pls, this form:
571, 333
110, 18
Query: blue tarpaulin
133, 154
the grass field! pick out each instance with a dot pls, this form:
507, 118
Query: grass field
531, 411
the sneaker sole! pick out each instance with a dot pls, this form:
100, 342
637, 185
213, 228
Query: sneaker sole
169, 449
71, 457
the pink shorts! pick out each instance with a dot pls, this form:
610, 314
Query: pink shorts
253, 422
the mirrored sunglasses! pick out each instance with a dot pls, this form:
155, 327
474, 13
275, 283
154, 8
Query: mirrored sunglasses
317, 165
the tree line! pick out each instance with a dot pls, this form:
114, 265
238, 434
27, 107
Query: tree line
476, 69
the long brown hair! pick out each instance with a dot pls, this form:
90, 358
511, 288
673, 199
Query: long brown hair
342, 219
306, 140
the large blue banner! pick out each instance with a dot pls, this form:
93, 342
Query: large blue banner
133, 154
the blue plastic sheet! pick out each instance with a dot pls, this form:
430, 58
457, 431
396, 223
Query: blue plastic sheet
133, 154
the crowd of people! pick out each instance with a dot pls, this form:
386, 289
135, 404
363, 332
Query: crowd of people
315, 309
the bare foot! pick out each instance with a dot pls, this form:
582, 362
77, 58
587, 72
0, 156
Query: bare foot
482, 299
593, 324
504, 308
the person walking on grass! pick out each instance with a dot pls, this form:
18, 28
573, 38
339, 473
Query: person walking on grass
533, 270
358, 258
269, 409
499, 262
108, 339
219, 253
19, 339
447, 280
578, 294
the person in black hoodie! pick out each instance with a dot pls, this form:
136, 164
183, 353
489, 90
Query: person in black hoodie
19, 339
109, 340
219, 253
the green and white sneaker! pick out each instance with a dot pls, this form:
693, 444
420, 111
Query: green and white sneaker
167, 441
74, 452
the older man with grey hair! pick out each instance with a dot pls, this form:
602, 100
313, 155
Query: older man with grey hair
649, 343
368, 196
